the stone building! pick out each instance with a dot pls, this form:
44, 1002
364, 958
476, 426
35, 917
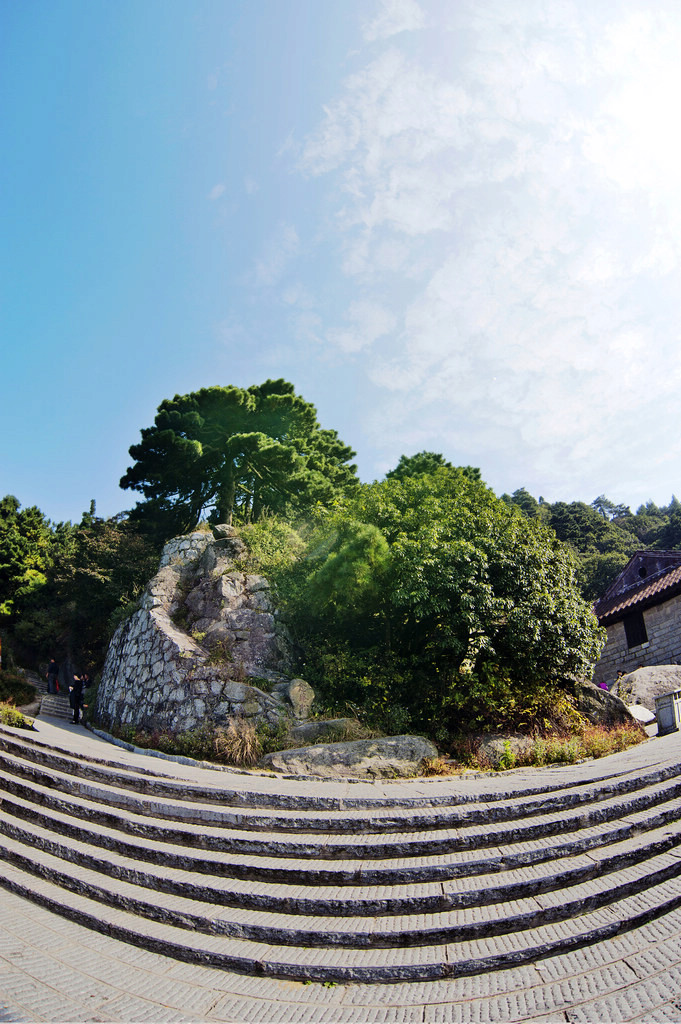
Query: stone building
641, 611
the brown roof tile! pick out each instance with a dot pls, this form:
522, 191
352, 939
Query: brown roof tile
653, 591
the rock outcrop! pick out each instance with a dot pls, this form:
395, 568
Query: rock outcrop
643, 685
599, 706
207, 643
388, 758
503, 751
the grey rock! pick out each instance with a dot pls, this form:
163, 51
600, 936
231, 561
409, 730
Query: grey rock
499, 748
641, 714
643, 685
298, 694
223, 530
328, 728
600, 706
387, 758
201, 622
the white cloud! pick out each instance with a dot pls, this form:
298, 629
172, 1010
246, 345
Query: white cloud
516, 209
368, 321
394, 16
216, 191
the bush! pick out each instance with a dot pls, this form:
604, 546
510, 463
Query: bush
9, 715
14, 688
555, 748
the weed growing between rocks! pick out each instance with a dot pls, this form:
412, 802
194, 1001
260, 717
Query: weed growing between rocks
588, 741
238, 743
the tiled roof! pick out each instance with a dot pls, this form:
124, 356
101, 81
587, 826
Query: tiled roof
653, 591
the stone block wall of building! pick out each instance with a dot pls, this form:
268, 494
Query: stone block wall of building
663, 626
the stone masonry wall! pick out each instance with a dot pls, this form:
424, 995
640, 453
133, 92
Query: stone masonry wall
205, 635
663, 626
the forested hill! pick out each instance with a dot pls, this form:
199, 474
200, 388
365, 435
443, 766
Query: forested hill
604, 535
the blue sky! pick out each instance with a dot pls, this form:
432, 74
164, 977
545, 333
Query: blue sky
453, 226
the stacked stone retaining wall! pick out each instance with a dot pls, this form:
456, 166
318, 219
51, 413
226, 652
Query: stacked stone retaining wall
206, 644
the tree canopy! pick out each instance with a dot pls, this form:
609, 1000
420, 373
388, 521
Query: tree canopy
235, 450
452, 591
423, 599
25, 541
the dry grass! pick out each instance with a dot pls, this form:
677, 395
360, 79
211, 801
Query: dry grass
238, 744
588, 741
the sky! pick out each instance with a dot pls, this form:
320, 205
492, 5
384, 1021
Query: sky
452, 225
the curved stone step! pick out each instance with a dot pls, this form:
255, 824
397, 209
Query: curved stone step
236, 792
73, 821
339, 963
274, 928
315, 898
141, 817
557, 812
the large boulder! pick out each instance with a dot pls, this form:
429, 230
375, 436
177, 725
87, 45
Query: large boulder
643, 685
388, 758
503, 751
297, 694
600, 707
329, 729
206, 644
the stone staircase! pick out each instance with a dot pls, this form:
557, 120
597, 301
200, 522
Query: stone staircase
55, 705
50, 705
298, 882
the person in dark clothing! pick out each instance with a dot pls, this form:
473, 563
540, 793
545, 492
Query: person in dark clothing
76, 698
52, 675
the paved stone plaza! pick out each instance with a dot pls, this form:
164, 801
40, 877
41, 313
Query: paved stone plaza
54, 969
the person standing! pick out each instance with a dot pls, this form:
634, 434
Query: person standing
52, 675
76, 698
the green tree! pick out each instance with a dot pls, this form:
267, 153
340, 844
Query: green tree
608, 509
598, 570
96, 579
426, 462
235, 450
470, 592
25, 542
524, 501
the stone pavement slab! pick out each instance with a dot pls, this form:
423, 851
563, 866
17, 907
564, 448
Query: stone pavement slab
52, 969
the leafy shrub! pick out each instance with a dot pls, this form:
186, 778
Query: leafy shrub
273, 545
507, 759
556, 750
598, 742
14, 688
9, 715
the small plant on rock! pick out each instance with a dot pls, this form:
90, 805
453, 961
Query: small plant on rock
9, 715
219, 653
507, 758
